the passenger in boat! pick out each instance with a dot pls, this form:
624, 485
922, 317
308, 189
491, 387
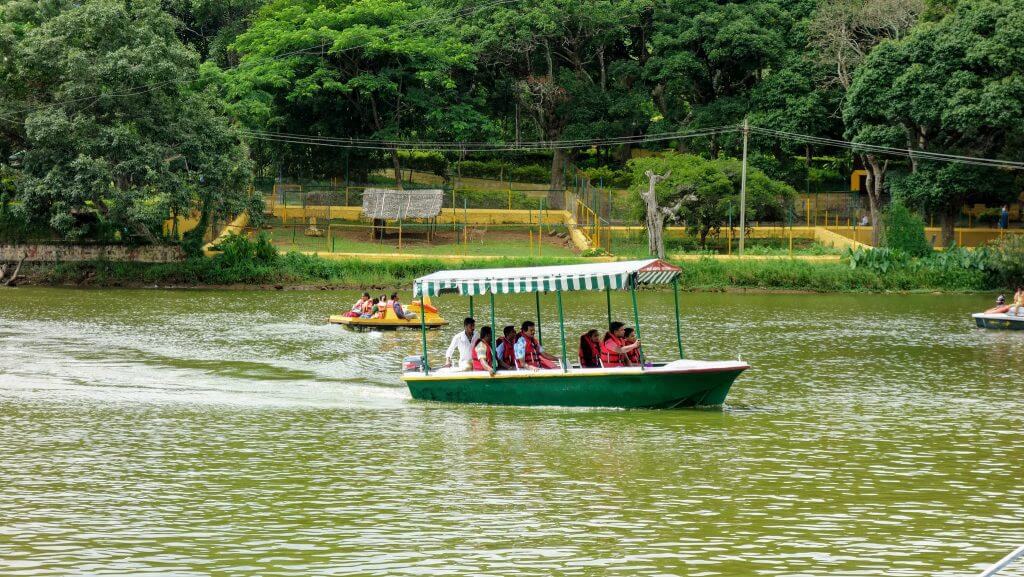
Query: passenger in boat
367, 308
371, 313
614, 349
1000, 308
633, 356
399, 311
590, 349
463, 343
506, 349
483, 355
1017, 308
357, 309
529, 353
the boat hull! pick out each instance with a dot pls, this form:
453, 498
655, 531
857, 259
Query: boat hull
388, 324
998, 321
623, 388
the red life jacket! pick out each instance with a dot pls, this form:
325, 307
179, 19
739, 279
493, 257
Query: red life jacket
610, 358
532, 356
594, 360
508, 354
634, 356
477, 365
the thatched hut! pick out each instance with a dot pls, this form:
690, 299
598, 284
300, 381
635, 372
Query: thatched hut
384, 204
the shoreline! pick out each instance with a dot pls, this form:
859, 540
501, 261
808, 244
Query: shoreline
298, 272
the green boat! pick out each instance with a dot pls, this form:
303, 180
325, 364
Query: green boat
679, 383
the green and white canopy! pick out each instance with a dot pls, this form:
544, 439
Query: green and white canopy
580, 277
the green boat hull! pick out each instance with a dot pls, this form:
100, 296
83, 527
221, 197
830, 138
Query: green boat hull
655, 390
985, 321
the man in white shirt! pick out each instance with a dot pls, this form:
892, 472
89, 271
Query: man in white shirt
462, 342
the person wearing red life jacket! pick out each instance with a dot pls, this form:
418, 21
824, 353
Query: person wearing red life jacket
590, 349
529, 353
506, 349
483, 355
633, 356
614, 350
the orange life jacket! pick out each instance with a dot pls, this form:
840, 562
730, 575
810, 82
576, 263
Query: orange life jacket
477, 365
610, 358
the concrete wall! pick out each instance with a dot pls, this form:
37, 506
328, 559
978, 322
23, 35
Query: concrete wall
81, 252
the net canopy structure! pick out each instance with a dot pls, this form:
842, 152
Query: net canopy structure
390, 204
581, 277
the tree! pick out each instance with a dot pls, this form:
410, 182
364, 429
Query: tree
842, 33
706, 57
381, 69
955, 86
114, 128
704, 192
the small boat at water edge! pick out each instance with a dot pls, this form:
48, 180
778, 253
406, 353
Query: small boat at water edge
679, 383
431, 319
998, 321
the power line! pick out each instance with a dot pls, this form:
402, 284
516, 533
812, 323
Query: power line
891, 151
373, 144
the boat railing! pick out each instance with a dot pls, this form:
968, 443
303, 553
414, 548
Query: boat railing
1003, 563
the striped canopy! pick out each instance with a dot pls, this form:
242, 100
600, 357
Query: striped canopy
580, 277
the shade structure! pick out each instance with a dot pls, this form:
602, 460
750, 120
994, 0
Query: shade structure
389, 204
580, 277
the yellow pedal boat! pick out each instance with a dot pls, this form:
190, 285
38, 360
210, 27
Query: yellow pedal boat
391, 321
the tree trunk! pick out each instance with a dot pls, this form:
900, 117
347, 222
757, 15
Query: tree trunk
875, 184
949, 216
555, 199
655, 219
17, 269
398, 169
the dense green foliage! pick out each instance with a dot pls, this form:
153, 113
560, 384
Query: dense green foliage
116, 113
904, 231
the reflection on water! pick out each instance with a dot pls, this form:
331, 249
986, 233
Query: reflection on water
234, 433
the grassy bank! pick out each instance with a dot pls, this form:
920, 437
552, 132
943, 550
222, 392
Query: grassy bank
295, 269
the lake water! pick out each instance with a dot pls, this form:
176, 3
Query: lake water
236, 433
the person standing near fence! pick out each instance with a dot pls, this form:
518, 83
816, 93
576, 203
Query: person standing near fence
1004, 217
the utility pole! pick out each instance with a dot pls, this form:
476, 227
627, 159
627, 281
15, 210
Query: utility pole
743, 187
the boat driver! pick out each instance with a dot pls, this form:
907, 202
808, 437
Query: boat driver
463, 343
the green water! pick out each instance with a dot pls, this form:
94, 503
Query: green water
235, 433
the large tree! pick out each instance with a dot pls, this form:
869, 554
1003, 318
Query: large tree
381, 69
116, 134
841, 34
955, 86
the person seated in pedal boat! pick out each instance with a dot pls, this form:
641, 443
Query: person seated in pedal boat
590, 349
1001, 308
483, 356
399, 311
506, 349
371, 311
629, 337
463, 343
529, 353
614, 349
357, 309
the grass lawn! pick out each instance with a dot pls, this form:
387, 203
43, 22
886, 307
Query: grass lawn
352, 237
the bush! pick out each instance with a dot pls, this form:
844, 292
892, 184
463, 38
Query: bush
1004, 260
904, 231
533, 173
432, 162
237, 249
608, 177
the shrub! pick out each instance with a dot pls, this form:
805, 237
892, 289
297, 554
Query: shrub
534, 173
904, 231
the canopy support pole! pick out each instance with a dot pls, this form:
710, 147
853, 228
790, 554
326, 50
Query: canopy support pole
540, 335
471, 306
608, 301
423, 333
636, 314
494, 352
679, 329
561, 328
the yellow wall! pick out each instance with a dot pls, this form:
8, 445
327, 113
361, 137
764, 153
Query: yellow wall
447, 216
